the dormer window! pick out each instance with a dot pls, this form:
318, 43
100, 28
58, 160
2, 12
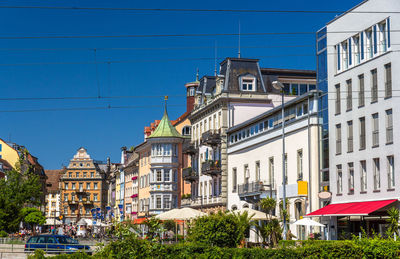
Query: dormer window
248, 83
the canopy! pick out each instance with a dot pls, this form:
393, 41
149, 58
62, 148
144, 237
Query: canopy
351, 208
85, 222
53, 221
180, 214
139, 220
308, 222
254, 214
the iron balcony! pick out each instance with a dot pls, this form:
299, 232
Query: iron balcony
211, 167
189, 148
190, 175
211, 138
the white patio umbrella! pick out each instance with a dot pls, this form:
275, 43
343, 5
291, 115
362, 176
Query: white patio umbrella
180, 214
308, 222
51, 222
254, 214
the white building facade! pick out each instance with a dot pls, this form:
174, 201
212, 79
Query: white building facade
255, 159
362, 121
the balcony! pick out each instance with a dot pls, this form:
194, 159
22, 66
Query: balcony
211, 168
72, 202
87, 202
211, 138
189, 148
188, 174
81, 190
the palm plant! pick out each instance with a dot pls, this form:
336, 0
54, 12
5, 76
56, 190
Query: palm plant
244, 222
393, 220
270, 229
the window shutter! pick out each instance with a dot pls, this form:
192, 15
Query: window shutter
388, 32
375, 41
350, 54
338, 57
362, 45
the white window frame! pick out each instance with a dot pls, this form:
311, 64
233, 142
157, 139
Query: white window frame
245, 82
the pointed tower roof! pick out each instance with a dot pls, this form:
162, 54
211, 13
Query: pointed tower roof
165, 128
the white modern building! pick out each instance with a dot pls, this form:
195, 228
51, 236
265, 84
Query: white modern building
255, 156
362, 104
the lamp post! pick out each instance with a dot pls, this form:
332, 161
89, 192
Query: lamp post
279, 86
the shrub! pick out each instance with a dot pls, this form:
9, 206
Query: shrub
3, 234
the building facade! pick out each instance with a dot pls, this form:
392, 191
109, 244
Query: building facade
255, 159
53, 194
362, 124
240, 91
83, 189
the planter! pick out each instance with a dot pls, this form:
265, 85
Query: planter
134, 178
134, 196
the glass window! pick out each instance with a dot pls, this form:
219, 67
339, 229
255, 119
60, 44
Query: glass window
374, 86
363, 174
95, 186
158, 201
167, 174
361, 95
391, 182
377, 177
88, 186
375, 130
351, 177
339, 179
389, 127
159, 175
95, 197
303, 89
388, 80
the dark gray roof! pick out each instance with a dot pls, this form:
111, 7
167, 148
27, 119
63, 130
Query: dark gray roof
207, 84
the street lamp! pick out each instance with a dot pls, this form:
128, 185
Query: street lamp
279, 86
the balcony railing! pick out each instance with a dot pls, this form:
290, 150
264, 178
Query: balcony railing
211, 167
188, 174
81, 190
253, 188
211, 137
72, 201
189, 148
87, 202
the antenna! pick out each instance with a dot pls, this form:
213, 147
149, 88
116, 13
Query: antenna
165, 103
197, 75
215, 58
239, 41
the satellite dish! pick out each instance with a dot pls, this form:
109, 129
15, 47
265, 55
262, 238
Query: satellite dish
325, 195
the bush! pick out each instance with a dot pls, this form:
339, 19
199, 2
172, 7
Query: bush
3, 234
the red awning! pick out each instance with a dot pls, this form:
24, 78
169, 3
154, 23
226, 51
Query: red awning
351, 209
139, 220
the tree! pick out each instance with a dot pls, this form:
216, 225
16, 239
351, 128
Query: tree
270, 229
154, 228
20, 188
33, 217
243, 221
393, 221
219, 229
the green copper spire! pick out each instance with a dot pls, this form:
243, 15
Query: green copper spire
165, 128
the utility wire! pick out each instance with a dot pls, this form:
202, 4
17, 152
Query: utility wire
155, 60
76, 8
170, 35
86, 97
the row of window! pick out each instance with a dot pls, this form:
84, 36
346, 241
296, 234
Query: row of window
362, 132
275, 121
363, 175
144, 205
73, 211
213, 186
164, 150
364, 45
163, 175
361, 89
144, 181
81, 165
210, 123
298, 89
77, 174
80, 197
271, 174
81, 186
162, 201
144, 158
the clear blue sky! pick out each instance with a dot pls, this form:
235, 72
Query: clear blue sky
54, 136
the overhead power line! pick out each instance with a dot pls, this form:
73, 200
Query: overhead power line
170, 35
85, 97
76, 8
88, 108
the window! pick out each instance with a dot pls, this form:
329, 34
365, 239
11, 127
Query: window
350, 136
246, 174
286, 169
375, 130
377, 177
338, 139
349, 97
167, 177
66, 197
361, 95
77, 175
167, 202
248, 84
234, 179
345, 55
91, 174
66, 186
65, 210
300, 165
388, 80
271, 172
159, 176
73, 186
339, 179
158, 202
72, 197
70, 174
95, 186
88, 186
382, 37
80, 186
363, 175
351, 178
186, 131
390, 170
337, 100
368, 36
257, 171
389, 127
84, 174
374, 86
357, 56
95, 197
362, 133
338, 57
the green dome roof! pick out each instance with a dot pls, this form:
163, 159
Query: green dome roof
165, 129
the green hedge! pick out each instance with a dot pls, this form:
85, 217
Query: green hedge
135, 248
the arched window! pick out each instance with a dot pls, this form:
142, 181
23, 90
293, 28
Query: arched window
186, 131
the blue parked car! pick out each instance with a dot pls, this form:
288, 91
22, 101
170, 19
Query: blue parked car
55, 244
